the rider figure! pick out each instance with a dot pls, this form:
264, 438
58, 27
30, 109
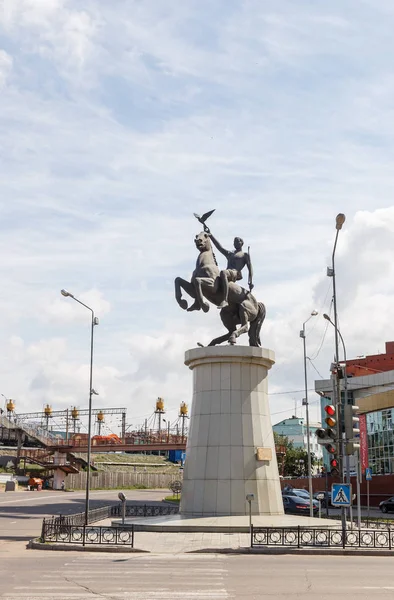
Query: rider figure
237, 259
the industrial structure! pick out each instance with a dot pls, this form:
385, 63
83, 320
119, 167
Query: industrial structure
60, 451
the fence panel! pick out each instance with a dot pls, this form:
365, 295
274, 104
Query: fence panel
56, 530
322, 537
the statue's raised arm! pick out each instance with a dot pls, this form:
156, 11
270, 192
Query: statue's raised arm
219, 246
222, 288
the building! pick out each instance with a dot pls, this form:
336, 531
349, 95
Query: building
371, 388
295, 430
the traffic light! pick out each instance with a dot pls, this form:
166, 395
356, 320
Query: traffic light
327, 436
352, 430
334, 464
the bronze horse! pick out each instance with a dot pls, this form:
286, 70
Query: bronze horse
243, 308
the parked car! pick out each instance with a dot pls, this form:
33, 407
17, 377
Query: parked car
387, 505
327, 496
295, 505
301, 494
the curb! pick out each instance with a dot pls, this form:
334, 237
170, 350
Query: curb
36, 545
294, 551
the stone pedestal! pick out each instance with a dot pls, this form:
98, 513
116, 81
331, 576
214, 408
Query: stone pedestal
230, 450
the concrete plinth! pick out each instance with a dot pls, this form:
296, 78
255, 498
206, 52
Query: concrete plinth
223, 524
230, 449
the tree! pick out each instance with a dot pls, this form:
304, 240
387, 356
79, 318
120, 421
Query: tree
296, 462
293, 461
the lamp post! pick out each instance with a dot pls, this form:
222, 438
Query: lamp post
95, 321
339, 221
340, 412
303, 336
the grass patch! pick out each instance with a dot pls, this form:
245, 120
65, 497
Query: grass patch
129, 458
173, 499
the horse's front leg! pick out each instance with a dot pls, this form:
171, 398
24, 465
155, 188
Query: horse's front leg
200, 302
188, 288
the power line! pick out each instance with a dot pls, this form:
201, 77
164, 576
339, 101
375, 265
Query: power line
324, 335
290, 392
280, 412
320, 375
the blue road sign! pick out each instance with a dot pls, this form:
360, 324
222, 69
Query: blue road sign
341, 494
368, 474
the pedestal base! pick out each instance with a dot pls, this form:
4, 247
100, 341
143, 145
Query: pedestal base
230, 451
226, 524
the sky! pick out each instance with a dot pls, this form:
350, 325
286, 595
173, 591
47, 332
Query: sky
119, 120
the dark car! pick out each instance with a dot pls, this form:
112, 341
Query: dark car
295, 505
387, 505
301, 494
327, 496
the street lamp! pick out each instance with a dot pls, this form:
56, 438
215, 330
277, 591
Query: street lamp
341, 413
303, 336
339, 221
95, 321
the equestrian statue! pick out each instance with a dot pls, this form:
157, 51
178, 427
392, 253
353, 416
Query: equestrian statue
237, 305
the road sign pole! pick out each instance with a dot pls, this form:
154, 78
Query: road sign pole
367, 499
359, 475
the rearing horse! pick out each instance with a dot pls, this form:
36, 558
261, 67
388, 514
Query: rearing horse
242, 308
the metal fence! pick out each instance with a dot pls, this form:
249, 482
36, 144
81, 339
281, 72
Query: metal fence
322, 537
71, 529
60, 531
367, 522
145, 510
94, 515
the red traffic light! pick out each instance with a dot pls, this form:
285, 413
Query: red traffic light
334, 463
331, 449
330, 419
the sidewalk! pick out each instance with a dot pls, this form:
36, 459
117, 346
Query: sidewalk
179, 543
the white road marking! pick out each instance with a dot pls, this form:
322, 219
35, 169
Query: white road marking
16, 502
47, 497
375, 587
82, 579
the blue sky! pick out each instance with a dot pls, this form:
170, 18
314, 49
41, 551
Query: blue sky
119, 120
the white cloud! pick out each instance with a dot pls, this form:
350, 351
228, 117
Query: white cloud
5, 66
121, 120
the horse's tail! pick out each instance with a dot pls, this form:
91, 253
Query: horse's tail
255, 326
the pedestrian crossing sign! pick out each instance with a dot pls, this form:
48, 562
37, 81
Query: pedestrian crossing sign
341, 494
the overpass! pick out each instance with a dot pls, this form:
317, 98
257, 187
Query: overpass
148, 446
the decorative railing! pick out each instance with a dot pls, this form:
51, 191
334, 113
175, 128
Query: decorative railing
145, 510
56, 530
322, 537
115, 510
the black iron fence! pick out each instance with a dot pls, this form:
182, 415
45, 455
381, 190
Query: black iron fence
322, 537
115, 510
366, 522
72, 528
145, 510
61, 531
78, 519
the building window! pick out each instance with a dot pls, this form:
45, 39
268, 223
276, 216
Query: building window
381, 441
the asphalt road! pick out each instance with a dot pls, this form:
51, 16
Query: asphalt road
21, 513
61, 576
39, 575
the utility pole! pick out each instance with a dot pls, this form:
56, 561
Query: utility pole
303, 336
